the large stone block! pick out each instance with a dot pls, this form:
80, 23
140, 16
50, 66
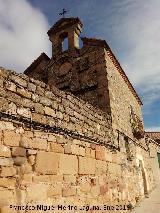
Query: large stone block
101, 167
34, 143
23, 92
18, 151
18, 161
36, 192
70, 178
7, 171
100, 152
108, 156
26, 180
48, 178
6, 197
11, 138
6, 162
69, 191
25, 112
7, 209
85, 187
5, 151
9, 183
54, 190
6, 125
87, 165
39, 118
47, 162
68, 164
31, 87
26, 168
55, 147
10, 86
49, 111
114, 169
19, 80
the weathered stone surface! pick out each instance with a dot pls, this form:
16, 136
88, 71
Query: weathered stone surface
23, 92
31, 159
70, 191
49, 111
47, 163
70, 178
101, 167
18, 161
39, 118
7, 209
24, 112
25, 167
48, 178
31, 87
5, 151
19, 80
10, 86
108, 156
114, 168
100, 152
18, 151
34, 143
6, 125
68, 148
31, 152
6, 197
11, 138
35, 194
6, 161
7, 171
8, 182
55, 190
26, 180
68, 164
86, 165
55, 147
45, 101
12, 109
3, 104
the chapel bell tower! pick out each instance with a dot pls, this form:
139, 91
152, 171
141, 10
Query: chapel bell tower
65, 28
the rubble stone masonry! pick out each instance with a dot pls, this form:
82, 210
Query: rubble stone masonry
55, 149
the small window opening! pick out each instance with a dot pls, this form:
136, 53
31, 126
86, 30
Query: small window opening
63, 39
65, 44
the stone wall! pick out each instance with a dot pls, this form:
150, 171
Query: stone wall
122, 100
34, 101
55, 149
84, 75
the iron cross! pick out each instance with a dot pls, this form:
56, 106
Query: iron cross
63, 13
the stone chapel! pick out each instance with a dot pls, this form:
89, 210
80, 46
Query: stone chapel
72, 130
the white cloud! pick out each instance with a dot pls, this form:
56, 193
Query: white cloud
23, 34
140, 27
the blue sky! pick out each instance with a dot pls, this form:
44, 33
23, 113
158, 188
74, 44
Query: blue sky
130, 27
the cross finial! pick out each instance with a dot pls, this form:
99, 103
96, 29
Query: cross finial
64, 11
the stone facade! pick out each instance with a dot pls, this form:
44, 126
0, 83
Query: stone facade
83, 146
